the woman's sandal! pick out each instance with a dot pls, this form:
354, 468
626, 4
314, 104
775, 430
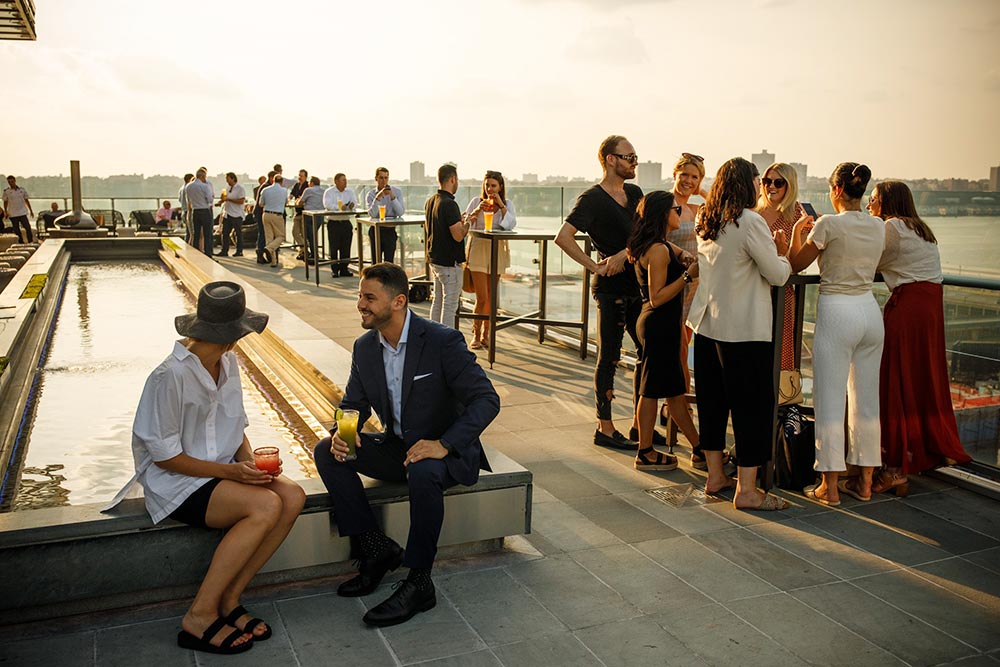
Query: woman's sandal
698, 461
660, 462
898, 484
251, 625
769, 504
850, 487
476, 345
186, 640
810, 492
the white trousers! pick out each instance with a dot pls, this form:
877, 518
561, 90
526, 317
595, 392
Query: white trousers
847, 353
447, 294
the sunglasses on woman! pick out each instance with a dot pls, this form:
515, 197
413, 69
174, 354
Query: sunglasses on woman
778, 182
677, 209
692, 156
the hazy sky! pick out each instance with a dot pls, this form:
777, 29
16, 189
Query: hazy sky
911, 87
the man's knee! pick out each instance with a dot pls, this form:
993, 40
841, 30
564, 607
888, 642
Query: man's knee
427, 474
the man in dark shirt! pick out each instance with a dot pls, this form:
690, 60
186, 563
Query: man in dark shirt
258, 216
298, 233
446, 238
606, 213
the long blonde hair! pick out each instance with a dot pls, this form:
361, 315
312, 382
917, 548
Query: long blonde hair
787, 204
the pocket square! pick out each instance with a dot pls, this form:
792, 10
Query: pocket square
421, 377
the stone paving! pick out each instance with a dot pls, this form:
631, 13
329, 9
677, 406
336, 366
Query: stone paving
610, 574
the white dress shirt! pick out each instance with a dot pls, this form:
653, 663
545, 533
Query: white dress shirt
15, 201
907, 258
393, 207
393, 359
199, 194
333, 195
235, 210
183, 411
273, 198
736, 271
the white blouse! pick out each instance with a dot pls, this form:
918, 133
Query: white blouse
907, 258
506, 222
735, 273
183, 411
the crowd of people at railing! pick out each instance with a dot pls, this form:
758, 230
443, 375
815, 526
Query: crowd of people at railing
666, 270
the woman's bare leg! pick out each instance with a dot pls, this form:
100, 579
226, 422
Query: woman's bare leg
292, 500
481, 283
717, 479
678, 407
250, 513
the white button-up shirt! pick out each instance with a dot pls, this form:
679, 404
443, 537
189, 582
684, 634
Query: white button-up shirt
15, 200
333, 195
393, 359
183, 411
235, 210
394, 208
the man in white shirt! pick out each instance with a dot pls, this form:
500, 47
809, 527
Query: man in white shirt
273, 199
232, 208
200, 195
15, 200
340, 232
392, 198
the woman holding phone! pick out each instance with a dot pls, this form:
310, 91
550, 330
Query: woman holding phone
919, 431
847, 346
663, 271
194, 462
778, 204
491, 200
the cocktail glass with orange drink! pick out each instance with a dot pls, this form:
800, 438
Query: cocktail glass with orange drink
347, 429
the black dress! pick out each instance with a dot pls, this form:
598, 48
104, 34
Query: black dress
659, 331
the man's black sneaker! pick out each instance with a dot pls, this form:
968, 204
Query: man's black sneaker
616, 441
658, 439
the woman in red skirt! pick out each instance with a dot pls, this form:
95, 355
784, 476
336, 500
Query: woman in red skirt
918, 423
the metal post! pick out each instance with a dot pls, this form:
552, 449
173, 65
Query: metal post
542, 283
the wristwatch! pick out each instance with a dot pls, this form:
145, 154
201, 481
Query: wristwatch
687, 277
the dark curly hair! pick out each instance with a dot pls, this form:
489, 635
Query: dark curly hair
650, 223
732, 191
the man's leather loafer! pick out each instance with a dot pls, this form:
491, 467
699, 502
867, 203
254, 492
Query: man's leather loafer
407, 601
616, 441
371, 571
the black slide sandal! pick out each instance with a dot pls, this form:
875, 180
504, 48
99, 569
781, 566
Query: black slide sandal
251, 624
186, 640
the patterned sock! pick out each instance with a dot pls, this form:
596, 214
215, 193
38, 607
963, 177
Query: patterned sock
373, 543
422, 578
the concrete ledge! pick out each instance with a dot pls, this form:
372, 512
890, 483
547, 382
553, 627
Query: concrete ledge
68, 560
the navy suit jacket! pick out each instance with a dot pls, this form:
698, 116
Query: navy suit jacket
446, 395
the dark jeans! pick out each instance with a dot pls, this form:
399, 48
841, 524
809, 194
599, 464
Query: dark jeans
202, 229
258, 216
340, 234
427, 480
230, 224
387, 244
615, 315
21, 220
735, 378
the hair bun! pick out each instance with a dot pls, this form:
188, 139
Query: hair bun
862, 173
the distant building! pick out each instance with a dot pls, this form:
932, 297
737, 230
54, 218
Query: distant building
418, 172
995, 179
801, 170
762, 160
529, 178
650, 176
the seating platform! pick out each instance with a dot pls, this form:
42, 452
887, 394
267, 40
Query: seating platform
81, 560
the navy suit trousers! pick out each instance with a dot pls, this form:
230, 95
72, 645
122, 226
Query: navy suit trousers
383, 460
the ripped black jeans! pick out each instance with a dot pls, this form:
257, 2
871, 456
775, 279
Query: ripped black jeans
615, 315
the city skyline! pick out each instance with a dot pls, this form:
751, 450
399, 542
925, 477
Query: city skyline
560, 75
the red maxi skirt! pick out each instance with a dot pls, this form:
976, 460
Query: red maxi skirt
918, 421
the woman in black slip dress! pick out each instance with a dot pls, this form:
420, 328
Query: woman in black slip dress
660, 269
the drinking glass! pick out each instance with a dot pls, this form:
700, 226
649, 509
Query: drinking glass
381, 212
347, 429
488, 219
267, 459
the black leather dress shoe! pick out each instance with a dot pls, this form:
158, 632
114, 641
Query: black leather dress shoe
616, 441
658, 438
371, 571
407, 601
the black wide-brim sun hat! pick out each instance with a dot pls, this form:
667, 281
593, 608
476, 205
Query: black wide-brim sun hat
222, 316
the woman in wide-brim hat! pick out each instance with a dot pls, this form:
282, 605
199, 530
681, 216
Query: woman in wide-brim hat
196, 466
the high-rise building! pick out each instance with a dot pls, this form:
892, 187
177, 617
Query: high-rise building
418, 174
801, 171
650, 176
995, 179
529, 178
762, 160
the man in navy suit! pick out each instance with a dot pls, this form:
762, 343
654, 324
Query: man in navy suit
434, 400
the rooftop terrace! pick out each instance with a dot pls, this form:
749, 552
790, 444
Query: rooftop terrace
610, 574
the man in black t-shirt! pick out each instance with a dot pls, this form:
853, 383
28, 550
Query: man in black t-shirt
606, 212
446, 231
